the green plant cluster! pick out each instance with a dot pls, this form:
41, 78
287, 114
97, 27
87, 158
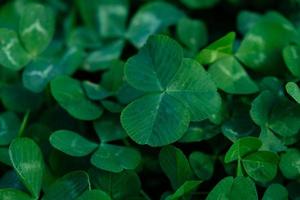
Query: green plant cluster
148, 100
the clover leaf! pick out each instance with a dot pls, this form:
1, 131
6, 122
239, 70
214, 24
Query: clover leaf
177, 90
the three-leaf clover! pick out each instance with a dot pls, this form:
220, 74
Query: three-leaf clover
177, 90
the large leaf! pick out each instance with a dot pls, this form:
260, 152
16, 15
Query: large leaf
115, 158
241, 148
72, 143
68, 187
9, 127
12, 54
261, 165
230, 76
13, 194
175, 165
27, 160
70, 95
234, 189
179, 90
36, 28
150, 19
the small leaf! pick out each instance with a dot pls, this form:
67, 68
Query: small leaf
289, 164
72, 143
293, 90
27, 160
230, 76
270, 142
246, 20
196, 37
94, 195
203, 4
68, 187
95, 91
276, 192
221, 48
261, 165
13, 194
70, 95
12, 54
202, 165
4, 156
115, 158
150, 19
175, 165
9, 127
184, 190
291, 56
36, 28
241, 148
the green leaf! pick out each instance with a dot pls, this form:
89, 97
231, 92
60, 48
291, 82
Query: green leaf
276, 192
241, 148
230, 76
163, 121
203, 4
119, 186
94, 195
284, 118
202, 165
175, 165
70, 95
221, 48
12, 54
36, 28
293, 90
261, 165
178, 88
270, 142
68, 187
72, 143
9, 127
113, 78
184, 190
258, 51
155, 65
261, 107
196, 37
150, 19
115, 158
13, 194
289, 164
27, 160
234, 189
291, 58
111, 18
37, 74
112, 106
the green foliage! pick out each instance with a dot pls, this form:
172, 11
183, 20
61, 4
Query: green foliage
147, 100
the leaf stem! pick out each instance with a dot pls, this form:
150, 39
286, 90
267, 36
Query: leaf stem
24, 123
239, 171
